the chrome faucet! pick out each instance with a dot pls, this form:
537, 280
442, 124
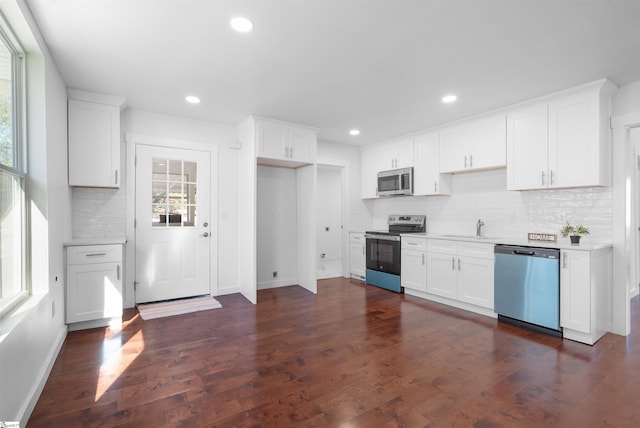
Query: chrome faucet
479, 225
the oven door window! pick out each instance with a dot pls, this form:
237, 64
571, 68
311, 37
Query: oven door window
383, 256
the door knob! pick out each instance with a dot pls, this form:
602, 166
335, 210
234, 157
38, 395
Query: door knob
206, 234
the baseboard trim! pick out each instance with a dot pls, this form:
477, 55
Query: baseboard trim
42, 377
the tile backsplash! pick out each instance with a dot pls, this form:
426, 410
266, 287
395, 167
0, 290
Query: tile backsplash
508, 214
98, 213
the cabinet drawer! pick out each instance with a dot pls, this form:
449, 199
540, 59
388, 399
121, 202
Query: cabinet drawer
474, 249
442, 246
411, 243
84, 254
356, 238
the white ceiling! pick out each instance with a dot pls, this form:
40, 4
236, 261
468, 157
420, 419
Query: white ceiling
381, 66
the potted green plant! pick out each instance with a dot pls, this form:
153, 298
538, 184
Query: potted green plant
574, 232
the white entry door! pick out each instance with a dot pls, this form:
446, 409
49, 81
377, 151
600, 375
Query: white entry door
173, 235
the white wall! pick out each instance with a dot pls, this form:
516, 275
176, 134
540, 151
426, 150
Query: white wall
276, 227
329, 194
30, 337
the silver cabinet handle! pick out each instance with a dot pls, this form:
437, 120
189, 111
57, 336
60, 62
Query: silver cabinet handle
116, 176
363, 250
422, 259
118, 272
453, 263
435, 187
564, 260
551, 178
465, 161
542, 178
459, 266
470, 161
206, 234
95, 254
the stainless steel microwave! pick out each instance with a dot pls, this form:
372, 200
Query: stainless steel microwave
396, 182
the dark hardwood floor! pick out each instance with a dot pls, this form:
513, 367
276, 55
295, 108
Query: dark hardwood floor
352, 356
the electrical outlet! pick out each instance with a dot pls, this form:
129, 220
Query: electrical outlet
275, 273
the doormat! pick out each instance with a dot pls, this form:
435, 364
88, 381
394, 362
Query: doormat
149, 311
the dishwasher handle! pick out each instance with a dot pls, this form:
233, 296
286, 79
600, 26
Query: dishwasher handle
524, 253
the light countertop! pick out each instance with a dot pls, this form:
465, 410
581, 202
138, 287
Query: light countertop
96, 241
563, 243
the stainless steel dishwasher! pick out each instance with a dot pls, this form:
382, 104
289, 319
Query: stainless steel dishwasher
527, 287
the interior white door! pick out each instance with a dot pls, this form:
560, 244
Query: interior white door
173, 236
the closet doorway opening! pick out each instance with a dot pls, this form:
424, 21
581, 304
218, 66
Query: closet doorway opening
330, 221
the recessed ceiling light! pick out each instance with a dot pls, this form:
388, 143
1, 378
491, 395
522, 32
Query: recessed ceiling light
192, 99
449, 98
354, 132
241, 24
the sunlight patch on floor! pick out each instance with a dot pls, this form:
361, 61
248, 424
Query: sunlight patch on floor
117, 357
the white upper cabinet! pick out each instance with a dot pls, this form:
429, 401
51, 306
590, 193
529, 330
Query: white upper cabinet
563, 142
396, 154
369, 158
280, 141
473, 145
427, 179
94, 140
527, 150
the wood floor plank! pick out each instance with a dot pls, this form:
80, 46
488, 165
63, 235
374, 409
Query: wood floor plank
352, 355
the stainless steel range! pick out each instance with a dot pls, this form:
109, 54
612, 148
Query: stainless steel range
383, 250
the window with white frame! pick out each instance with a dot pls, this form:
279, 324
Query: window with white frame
13, 283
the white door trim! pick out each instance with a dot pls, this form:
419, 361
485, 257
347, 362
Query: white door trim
131, 140
623, 234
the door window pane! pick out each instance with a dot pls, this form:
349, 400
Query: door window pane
174, 193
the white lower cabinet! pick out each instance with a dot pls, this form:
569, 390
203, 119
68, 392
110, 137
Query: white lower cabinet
585, 294
461, 271
357, 257
413, 266
94, 284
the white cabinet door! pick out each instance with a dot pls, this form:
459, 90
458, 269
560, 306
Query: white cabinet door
427, 179
475, 281
527, 150
94, 291
442, 275
94, 144
575, 291
357, 257
303, 145
387, 160
455, 145
272, 140
369, 173
404, 153
574, 141
413, 270
489, 145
